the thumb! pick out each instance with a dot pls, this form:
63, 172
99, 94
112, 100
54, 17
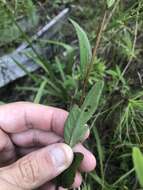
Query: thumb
39, 167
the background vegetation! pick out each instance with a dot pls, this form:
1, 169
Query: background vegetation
115, 32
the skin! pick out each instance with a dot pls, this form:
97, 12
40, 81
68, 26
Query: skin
28, 130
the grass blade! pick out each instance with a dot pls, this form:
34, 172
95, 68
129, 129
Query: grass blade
123, 177
98, 180
100, 152
40, 92
138, 164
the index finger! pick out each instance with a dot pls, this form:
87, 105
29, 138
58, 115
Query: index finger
21, 116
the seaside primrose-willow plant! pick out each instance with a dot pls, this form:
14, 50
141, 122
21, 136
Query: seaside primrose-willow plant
75, 125
75, 129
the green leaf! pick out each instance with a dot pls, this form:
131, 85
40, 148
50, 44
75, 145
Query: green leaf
110, 3
40, 92
100, 151
85, 48
67, 47
75, 128
138, 164
66, 179
91, 102
70, 124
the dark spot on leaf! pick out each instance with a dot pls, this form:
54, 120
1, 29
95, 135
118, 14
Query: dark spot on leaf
87, 108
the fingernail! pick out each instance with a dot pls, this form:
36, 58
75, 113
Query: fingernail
61, 188
62, 155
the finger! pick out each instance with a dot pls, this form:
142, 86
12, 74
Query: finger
35, 137
7, 151
48, 186
24, 151
21, 116
77, 181
28, 142
51, 186
37, 168
4, 185
89, 162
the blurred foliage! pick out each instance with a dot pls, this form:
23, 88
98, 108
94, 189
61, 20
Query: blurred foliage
21, 10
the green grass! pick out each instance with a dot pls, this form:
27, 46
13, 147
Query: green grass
115, 34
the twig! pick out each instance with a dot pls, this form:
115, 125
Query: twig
93, 57
110, 15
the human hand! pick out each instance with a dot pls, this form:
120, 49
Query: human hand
35, 132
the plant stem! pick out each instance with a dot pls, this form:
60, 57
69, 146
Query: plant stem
89, 68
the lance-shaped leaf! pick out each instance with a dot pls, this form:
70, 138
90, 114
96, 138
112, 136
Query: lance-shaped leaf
85, 48
70, 123
75, 128
91, 102
138, 164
